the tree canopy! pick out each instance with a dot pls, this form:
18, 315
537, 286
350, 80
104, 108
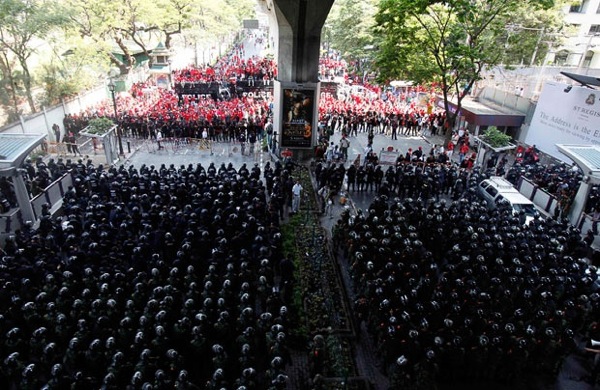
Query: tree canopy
443, 42
528, 33
348, 28
213, 20
63, 46
128, 26
24, 24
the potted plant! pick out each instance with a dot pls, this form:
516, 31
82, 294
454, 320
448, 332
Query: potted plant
99, 126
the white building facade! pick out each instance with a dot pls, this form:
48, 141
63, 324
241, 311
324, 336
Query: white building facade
581, 50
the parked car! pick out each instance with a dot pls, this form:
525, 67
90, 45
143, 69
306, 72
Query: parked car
497, 190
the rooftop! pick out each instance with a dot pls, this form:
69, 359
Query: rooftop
15, 147
489, 108
587, 157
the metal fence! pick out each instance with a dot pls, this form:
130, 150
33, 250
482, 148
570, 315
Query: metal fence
538, 196
52, 195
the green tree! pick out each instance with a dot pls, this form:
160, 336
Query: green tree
216, 18
23, 26
529, 32
348, 29
10, 92
140, 24
213, 21
447, 43
65, 73
108, 24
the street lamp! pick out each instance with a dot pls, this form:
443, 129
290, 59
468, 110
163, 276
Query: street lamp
111, 88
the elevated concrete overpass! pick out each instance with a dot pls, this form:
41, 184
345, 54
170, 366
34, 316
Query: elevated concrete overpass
297, 26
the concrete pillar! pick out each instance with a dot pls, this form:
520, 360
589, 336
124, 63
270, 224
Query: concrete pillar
23, 197
48, 127
298, 25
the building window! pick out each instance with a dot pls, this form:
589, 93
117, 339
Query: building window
579, 7
560, 58
587, 60
594, 29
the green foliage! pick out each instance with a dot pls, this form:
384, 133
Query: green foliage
22, 24
11, 91
447, 42
216, 19
289, 249
349, 28
125, 27
56, 85
99, 126
73, 42
495, 138
339, 355
528, 33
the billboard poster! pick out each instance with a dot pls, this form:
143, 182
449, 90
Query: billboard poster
298, 114
565, 116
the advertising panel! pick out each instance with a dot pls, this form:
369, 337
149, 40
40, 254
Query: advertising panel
565, 116
297, 117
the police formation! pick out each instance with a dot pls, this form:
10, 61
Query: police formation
405, 179
454, 292
560, 180
154, 278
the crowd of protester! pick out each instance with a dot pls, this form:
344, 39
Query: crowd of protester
332, 66
456, 292
174, 277
228, 69
145, 110
155, 277
234, 66
223, 120
395, 115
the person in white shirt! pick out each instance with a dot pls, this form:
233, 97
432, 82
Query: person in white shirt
344, 145
158, 139
330, 153
296, 192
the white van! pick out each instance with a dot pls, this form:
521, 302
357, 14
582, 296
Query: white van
497, 189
